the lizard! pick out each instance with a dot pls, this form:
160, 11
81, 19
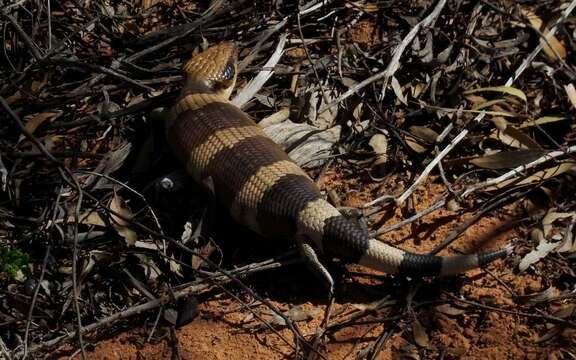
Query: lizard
226, 151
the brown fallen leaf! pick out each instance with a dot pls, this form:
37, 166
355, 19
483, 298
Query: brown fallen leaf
507, 159
38, 119
424, 133
571, 92
379, 143
553, 46
448, 309
536, 177
120, 225
420, 336
515, 138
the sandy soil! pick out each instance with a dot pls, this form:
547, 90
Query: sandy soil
223, 329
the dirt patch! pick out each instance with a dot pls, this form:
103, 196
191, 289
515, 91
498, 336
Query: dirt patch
221, 331
365, 33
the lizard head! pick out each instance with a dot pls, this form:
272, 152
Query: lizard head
215, 68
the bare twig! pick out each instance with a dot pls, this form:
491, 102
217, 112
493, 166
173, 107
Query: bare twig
519, 170
256, 84
394, 64
33, 302
541, 45
189, 290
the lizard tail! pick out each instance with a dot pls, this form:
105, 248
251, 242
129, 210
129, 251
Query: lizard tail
337, 236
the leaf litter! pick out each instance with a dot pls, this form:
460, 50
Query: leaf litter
365, 95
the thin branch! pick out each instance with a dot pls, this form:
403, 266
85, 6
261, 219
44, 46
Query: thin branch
519, 170
395, 62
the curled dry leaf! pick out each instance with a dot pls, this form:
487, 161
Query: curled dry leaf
117, 205
397, 88
552, 216
568, 244
379, 144
539, 297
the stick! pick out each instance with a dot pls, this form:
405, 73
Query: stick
395, 62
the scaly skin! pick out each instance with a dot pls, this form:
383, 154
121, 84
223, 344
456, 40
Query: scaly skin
264, 189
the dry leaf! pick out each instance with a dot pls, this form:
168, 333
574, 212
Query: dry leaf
476, 100
316, 114
539, 297
552, 43
541, 121
515, 138
398, 91
311, 146
424, 133
420, 335
507, 159
501, 89
275, 118
110, 163
542, 250
358, 110
486, 104
37, 119
449, 310
117, 205
379, 144
87, 218
537, 176
550, 217
571, 92
146, 4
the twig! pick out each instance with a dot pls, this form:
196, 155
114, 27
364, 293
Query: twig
72, 179
101, 69
541, 45
31, 45
192, 289
256, 83
518, 170
395, 62
437, 205
454, 234
552, 319
33, 302
424, 175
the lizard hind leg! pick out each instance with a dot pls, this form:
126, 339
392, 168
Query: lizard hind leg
312, 260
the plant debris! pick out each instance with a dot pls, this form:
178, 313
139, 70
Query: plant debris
448, 126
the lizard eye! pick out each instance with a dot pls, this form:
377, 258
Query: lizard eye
228, 72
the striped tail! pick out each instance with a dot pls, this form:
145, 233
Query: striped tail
336, 236
267, 192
